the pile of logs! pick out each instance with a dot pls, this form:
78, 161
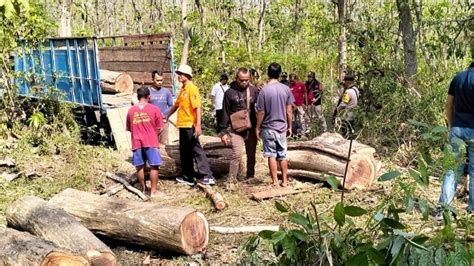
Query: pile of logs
116, 82
63, 231
316, 159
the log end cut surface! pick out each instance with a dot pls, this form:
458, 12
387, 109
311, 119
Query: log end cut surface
361, 173
195, 233
102, 259
62, 258
124, 83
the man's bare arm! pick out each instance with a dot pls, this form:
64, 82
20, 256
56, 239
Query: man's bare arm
449, 109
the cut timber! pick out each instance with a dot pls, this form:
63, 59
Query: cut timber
327, 154
51, 223
215, 196
218, 156
243, 229
116, 82
276, 192
22, 248
183, 230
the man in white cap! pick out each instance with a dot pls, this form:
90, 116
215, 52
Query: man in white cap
188, 105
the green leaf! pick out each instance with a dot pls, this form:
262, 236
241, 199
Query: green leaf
266, 234
417, 177
279, 205
397, 245
416, 244
417, 123
420, 239
375, 255
392, 223
389, 176
289, 246
354, 211
298, 219
440, 256
278, 236
359, 259
332, 180
339, 214
299, 234
424, 208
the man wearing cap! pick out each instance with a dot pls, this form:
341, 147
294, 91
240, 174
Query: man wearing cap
284, 79
188, 105
314, 88
217, 96
347, 103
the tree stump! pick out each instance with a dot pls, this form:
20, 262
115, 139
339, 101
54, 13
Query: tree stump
51, 223
22, 248
182, 230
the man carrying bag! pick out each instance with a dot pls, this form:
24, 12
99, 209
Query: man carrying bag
238, 122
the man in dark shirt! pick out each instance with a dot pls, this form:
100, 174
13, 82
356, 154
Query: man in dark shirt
235, 99
460, 116
284, 79
314, 88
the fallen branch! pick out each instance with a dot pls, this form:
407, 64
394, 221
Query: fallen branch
276, 192
243, 229
127, 185
116, 188
215, 196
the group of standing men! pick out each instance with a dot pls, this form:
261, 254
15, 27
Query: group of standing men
269, 112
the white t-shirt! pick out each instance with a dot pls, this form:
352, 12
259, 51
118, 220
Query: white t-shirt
218, 93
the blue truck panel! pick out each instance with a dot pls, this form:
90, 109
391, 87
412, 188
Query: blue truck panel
69, 65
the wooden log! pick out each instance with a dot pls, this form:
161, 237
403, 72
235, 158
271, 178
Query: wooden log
22, 248
276, 192
218, 156
215, 196
182, 230
51, 223
116, 82
327, 154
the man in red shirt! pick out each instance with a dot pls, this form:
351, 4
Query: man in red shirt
144, 121
298, 89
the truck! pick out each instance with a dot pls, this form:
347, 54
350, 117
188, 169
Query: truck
71, 67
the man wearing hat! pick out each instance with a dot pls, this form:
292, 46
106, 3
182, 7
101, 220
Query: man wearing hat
348, 101
217, 96
314, 88
188, 105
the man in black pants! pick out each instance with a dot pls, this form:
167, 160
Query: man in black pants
188, 105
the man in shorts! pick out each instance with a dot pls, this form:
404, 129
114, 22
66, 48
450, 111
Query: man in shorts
274, 118
144, 121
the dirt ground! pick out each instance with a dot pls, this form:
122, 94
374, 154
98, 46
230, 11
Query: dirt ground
76, 167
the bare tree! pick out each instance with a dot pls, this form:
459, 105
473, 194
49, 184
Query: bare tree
65, 16
201, 11
409, 44
420, 31
261, 23
186, 37
342, 43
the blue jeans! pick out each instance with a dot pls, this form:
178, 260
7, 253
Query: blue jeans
459, 137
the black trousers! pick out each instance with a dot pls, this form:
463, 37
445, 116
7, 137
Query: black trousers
218, 120
190, 149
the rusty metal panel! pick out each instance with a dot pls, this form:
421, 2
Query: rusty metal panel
133, 54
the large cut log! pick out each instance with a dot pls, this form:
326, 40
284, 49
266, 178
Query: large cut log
183, 230
22, 248
217, 154
51, 223
327, 155
115, 82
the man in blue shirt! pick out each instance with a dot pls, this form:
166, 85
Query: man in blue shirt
460, 115
161, 97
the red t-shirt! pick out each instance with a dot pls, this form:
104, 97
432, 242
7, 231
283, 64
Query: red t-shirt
143, 122
298, 90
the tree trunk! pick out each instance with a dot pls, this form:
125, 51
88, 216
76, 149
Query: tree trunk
64, 29
328, 156
217, 154
44, 220
421, 32
261, 23
201, 12
186, 38
115, 82
181, 230
342, 43
409, 44
22, 248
